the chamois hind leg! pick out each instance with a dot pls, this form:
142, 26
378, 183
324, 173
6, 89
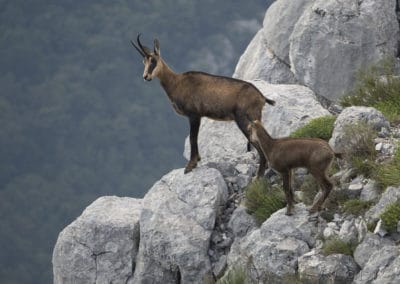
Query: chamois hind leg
194, 150
326, 186
242, 122
287, 188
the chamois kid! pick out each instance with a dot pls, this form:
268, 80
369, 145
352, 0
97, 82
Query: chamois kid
198, 94
285, 154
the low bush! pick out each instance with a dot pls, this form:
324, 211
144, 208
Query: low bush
356, 207
237, 275
359, 147
389, 174
336, 245
391, 216
262, 199
309, 190
321, 127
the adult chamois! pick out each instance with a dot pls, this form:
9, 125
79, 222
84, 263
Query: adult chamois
285, 154
197, 94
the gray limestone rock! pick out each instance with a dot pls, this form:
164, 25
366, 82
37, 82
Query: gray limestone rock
176, 223
371, 244
101, 245
352, 116
241, 222
335, 268
356, 32
391, 194
258, 62
271, 251
279, 22
377, 265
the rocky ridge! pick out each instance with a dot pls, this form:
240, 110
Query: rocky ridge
193, 228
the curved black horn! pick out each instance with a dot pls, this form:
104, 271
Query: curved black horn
138, 49
144, 49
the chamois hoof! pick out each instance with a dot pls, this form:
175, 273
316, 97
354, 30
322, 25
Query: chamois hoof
187, 170
289, 213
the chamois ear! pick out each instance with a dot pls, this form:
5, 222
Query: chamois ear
156, 47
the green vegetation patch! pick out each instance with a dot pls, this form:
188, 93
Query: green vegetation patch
321, 127
389, 174
336, 245
391, 216
356, 207
262, 199
359, 148
377, 86
236, 275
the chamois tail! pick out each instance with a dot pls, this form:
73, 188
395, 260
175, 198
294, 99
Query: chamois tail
269, 101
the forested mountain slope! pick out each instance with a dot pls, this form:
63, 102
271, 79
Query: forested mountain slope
77, 120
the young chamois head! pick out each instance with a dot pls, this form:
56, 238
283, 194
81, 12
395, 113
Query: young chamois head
151, 59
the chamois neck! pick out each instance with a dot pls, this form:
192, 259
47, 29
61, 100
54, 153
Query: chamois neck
166, 75
267, 140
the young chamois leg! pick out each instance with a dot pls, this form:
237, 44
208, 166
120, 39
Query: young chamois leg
242, 122
194, 150
326, 186
287, 188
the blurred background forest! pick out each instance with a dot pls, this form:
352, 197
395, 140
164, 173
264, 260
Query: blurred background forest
78, 121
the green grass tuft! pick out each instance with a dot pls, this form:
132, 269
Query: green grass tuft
237, 275
262, 199
356, 207
359, 148
321, 127
336, 245
391, 216
389, 174
376, 86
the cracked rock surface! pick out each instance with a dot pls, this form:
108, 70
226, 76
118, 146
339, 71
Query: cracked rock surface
101, 245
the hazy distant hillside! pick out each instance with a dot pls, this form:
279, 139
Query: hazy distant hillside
77, 120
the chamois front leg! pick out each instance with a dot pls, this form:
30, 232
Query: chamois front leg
194, 150
287, 188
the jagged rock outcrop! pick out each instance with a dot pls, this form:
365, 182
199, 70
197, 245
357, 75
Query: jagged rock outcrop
176, 223
321, 43
335, 268
351, 116
101, 245
271, 252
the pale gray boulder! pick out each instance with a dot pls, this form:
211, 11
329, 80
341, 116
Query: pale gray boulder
271, 251
334, 38
352, 116
335, 268
241, 222
100, 246
391, 195
279, 22
176, 223
371, 244
258, 62
377, 264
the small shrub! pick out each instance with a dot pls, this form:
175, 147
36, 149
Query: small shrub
389, 174
336, 245
356, 207
377, 86
237, 275
391, 216
321, 127
359, 148
262, 199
